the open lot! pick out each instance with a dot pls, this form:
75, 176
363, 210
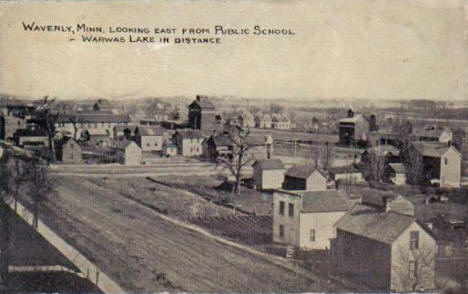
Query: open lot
143, 252
210, 187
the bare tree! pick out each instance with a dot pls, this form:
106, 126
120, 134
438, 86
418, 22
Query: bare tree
38, 178
415, 268
18, 175
377, 166
47, 119
240, 158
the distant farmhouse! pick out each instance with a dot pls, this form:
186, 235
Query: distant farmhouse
150, 138
68, 151
355, 128
268, 174
16, 115
202, 114
306, 219
379, 244
433, 134
188, 142
346, 174
127, 152
221, 145
438, 163
305, 177
262, 120
280, 122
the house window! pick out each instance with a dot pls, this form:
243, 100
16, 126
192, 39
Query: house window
71, 156
71, 146
413, 270
281, 207
291, 209
414, 240
445, 161
312, 235
148, 144
281, 231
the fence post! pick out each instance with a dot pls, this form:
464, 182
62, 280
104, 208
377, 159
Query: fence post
97, 276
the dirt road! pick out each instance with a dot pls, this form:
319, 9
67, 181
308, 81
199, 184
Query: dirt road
143, 252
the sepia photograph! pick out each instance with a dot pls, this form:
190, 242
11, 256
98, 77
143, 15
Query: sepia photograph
234, 146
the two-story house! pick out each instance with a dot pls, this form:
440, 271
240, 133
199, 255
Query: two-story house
381, 245
188, 142
306, 219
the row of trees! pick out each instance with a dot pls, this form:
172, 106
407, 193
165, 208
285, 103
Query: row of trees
23, 172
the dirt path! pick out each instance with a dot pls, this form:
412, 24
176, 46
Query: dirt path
144, 252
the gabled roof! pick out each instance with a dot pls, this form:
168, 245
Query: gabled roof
269, 164
377, 198
324, 201
302, 171
373, 224
151, 131
189, 134
432, 149
383, 150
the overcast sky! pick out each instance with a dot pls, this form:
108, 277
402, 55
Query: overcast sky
366, 49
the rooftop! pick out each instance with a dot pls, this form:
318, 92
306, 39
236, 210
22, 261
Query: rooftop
269, 164
324, 201
383, 150
353, 119
151, 131
93, 117
431, 149
302, 171
368, 222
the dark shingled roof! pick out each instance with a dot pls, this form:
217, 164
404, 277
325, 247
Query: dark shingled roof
377, 197
301, 171
370, 223
269, 164
324, 201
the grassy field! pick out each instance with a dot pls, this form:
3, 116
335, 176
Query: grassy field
142, 252
209, 187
